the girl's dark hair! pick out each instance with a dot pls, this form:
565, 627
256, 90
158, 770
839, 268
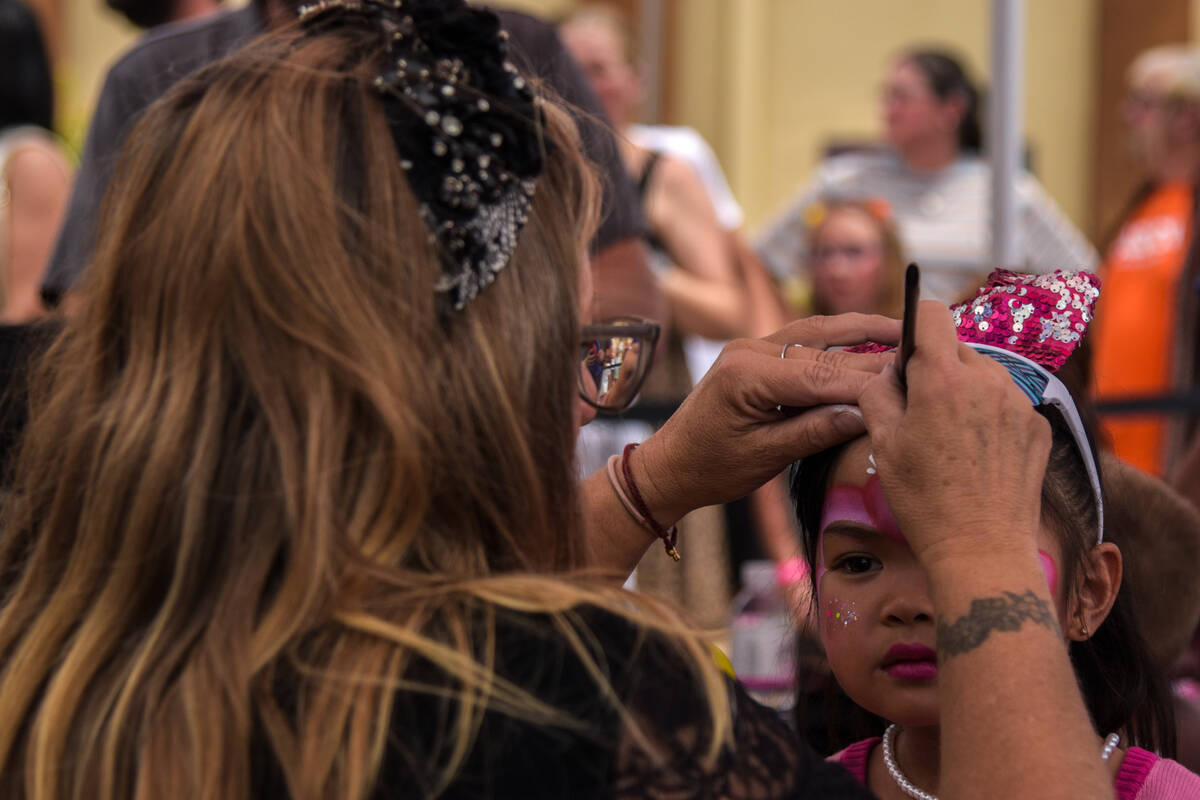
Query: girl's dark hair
947, 78
26, 87
1123, 689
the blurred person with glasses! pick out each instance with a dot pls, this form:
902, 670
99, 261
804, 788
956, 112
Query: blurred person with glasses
1146, 325
855, 261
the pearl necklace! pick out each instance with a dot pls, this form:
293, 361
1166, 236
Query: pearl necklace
907, 786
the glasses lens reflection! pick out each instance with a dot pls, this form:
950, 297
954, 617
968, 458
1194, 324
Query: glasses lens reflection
614, 362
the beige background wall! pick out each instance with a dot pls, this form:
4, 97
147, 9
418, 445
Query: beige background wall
92, 37
769, 82
803, 71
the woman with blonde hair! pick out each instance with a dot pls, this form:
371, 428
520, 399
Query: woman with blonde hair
855, 261
295, 515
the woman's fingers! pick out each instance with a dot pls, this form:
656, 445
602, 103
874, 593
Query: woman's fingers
935, 335
867, 362
768, 382
840, 330
815, 429
882, 403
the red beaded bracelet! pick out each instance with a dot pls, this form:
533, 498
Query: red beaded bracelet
636, 506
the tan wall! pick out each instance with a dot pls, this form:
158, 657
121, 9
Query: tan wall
548, 9
804, 71
92, 38
768, 82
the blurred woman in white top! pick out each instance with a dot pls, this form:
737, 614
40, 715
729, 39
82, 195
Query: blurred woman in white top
932, 175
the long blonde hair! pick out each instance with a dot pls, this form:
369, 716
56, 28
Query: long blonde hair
263, 454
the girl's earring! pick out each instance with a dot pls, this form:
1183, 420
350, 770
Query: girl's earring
1083, 628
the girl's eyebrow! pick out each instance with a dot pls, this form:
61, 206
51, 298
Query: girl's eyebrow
851, 529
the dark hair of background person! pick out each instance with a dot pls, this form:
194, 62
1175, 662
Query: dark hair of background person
152, 13
1122, 687
26, 84
947, 78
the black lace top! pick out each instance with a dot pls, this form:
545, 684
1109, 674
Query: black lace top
513, 758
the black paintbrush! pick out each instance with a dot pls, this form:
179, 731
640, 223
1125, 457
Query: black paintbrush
912, 294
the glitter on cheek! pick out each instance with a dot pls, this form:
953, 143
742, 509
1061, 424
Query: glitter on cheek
1051, 570
839, 613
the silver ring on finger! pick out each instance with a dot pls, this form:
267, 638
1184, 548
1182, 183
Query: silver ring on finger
783, 352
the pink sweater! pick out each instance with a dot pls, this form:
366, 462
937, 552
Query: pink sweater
1142, 776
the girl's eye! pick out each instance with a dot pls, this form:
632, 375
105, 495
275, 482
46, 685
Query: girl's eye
855, 564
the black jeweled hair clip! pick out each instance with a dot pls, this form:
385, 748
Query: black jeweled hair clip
465, 123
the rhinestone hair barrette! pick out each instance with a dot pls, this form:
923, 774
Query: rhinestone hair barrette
465, 124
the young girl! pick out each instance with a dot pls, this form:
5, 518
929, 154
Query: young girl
855, 263
875, 614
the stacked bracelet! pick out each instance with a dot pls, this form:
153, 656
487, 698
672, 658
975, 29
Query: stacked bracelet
636, 506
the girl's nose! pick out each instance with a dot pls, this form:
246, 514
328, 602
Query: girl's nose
909, 603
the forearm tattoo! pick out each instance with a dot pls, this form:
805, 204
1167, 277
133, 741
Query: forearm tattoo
987, 614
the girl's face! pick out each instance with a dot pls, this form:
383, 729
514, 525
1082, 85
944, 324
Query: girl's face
876, 616
847, 262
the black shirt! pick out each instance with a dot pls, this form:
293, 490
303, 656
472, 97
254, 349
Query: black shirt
596, 757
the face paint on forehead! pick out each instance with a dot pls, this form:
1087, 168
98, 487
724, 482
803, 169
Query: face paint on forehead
841, 503
865, 505
1051, 570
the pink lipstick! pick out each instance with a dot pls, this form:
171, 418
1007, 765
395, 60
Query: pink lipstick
911, 662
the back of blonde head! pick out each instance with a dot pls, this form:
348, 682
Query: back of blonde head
265, 455
1172, 70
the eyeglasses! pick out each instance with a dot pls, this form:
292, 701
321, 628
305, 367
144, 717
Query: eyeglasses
1042, 388
849, 252
1140, 99
614, 358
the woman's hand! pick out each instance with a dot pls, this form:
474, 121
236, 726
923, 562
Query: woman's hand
729, 437
963, 454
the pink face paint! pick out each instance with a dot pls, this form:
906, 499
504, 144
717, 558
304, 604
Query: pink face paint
877, 506
1051, 570
865, 505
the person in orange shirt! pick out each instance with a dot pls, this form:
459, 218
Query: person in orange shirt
1144, 342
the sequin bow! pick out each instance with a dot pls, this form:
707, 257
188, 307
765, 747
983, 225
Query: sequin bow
1041, 317
465, 124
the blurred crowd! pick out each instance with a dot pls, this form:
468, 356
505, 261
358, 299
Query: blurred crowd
672, 247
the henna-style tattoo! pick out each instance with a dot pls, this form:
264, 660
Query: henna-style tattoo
987, 614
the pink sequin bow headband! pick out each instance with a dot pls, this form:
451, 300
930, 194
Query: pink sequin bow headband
1031, 324
1040, 317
